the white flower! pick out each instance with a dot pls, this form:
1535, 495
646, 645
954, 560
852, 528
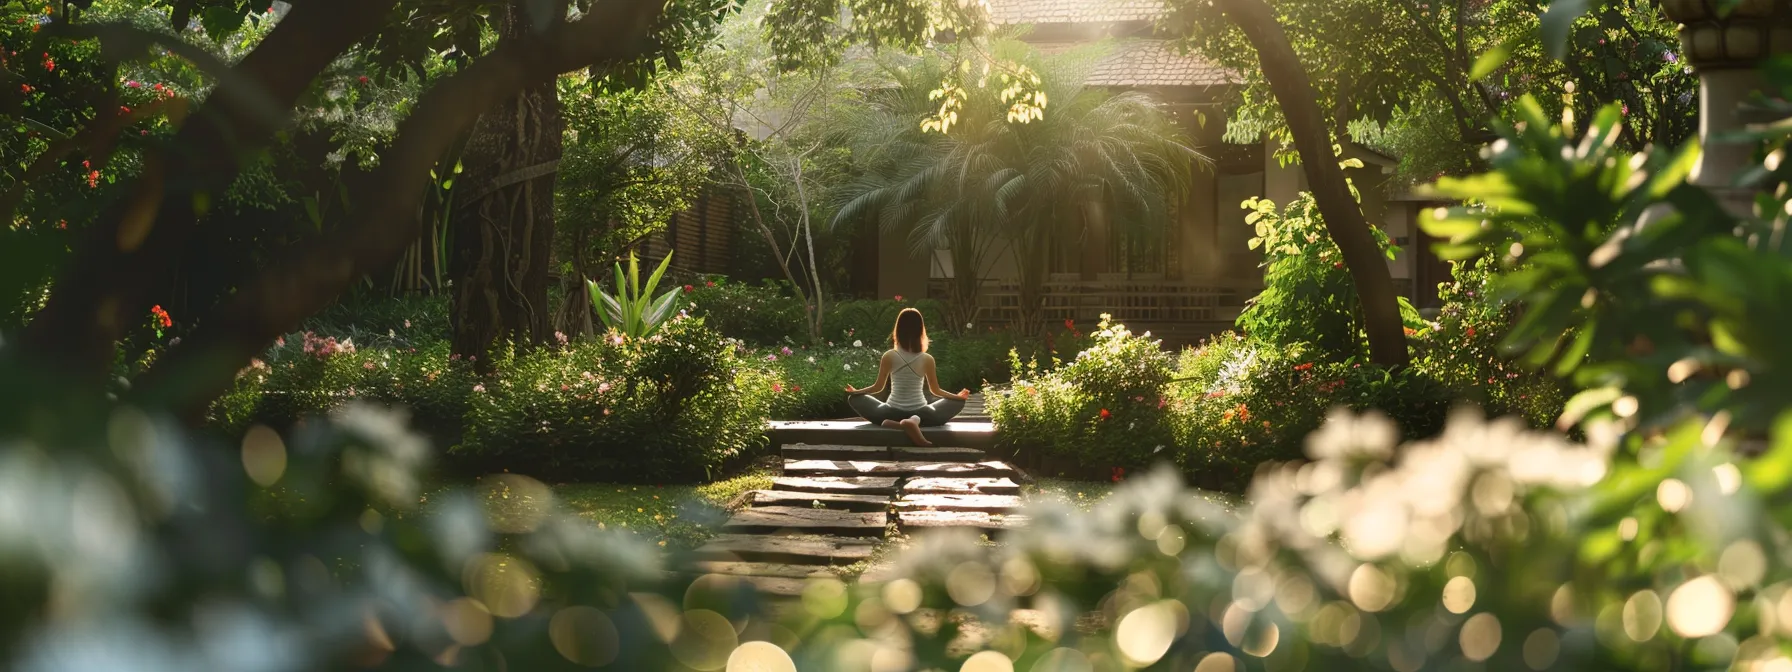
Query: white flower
858, 344
967, 325
848, 367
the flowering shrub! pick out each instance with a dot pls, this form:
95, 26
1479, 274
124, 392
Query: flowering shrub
1308, 295
671, 407
758, 315
1103, 409
675, 406
1463, 351
1217, 412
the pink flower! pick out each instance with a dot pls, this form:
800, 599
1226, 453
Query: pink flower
688, 289
777, 388
564, 387
132, 83
479, 387
785, 350
367, 365
603, 387
407, 324
898, 297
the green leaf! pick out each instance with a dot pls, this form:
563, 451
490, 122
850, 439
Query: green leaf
1490, 60
1586, 402
1557, 23
220, 21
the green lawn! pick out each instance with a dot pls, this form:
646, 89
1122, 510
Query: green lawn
1082, 494
675, 516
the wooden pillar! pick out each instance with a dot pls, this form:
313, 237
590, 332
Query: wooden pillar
1095, 239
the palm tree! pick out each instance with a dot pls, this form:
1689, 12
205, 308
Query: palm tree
998, 181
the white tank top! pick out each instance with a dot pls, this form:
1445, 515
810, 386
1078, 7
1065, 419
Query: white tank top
906, 380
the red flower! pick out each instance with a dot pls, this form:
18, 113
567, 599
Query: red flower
1303, 367
123, 110
93, 179
1118, 473
709, 283
1105, 414
1070, 324
688, 289
24, 88
898, 297
161, 316
1471, 330
363, 79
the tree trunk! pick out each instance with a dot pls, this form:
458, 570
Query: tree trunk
1343, 217
504, 233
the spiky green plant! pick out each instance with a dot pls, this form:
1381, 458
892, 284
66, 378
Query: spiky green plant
1001, 178
633, 311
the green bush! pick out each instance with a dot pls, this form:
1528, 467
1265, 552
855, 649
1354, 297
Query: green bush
1217, 412
1308, 295
811, 383
759, 315
870, 320
1462, 350
371, 319
1102, 409
1237, 403
306, 375
676, 406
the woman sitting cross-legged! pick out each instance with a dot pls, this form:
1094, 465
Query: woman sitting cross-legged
904, 369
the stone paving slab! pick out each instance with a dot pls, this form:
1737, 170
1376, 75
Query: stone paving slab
804, 451
960, 486
915, 520
860, 485
828, 500
937, 454
985, 503
773, 569
861, 433
786, 549
796, 520
989, 469
847, 468
890, 468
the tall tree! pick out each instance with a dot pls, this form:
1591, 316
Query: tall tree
504, 227
125, 261
1331, 190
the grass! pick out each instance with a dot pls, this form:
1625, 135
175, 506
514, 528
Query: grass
1081, 494
676, 517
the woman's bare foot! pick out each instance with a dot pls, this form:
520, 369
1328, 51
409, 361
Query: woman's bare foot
912, 426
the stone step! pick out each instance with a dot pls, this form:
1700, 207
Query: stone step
769, 569
861, 433
805, 451
960, 486
828, 500
795, 520
911, 521
937, 454
984, 503
785, 549
984, 469
855, 485
891, 468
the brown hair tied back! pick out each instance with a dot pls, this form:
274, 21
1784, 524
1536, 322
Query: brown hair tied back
910, 334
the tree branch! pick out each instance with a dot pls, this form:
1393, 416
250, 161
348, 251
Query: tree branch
190, 375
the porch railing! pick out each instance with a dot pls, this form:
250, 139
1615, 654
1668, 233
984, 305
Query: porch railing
1141, 301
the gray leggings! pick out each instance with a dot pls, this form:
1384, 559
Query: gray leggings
932, 415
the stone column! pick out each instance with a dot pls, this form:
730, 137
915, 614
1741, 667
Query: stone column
1726, 51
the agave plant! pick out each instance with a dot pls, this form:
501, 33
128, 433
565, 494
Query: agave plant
633, 311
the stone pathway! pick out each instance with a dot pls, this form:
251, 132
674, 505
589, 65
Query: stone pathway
849, 485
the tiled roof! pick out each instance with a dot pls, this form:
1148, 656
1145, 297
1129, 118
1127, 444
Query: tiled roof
1016, 12
1146, 62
